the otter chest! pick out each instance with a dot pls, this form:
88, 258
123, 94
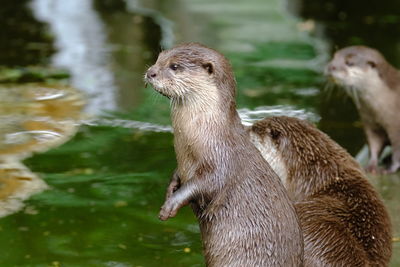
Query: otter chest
197, 136
186, 157
378, 104
190, 144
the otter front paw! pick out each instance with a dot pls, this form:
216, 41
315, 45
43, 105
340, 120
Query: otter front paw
168, 210
172, 187
373, 169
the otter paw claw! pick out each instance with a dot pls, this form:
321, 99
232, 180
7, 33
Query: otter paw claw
167, 211
171, 190
373, 169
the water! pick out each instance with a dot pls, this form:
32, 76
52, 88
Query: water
83, 171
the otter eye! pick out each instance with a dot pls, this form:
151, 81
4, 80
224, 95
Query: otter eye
274, 133
347, 60
208, 67
174, 66
371, 64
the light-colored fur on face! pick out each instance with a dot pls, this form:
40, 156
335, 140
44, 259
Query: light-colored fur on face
192, 75
359, 83
354, 76
190, 86
271, 154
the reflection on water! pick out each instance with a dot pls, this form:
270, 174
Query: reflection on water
251, 116
80, 40
33, 118
17, 183
167, 35
247, 116
128, 124
24, 40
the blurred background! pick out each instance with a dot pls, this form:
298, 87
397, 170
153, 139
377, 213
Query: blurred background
86, 150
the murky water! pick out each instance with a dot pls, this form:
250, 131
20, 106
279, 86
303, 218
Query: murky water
93, 192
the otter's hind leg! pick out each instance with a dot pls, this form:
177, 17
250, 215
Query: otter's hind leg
377, 140
395, 142
327, 240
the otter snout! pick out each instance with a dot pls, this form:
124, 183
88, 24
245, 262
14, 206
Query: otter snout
335, 72
331, 68
151, 73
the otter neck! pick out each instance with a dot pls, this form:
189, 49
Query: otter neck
369, 99
203, 130
199, 112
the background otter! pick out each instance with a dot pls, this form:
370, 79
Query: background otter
344, 222
374, 85
246, 217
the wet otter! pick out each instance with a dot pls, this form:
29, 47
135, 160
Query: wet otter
374, 85
344, 222
246, 217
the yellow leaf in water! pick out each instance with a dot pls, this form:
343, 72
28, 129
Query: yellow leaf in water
122, 246
120, 203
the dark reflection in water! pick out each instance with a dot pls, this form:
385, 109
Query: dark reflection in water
340, 120
134, 39
23, 40
344, 23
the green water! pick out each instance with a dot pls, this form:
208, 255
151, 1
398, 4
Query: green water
107, 183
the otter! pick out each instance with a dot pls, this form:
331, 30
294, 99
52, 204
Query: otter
344, 222
245, 215
374, 85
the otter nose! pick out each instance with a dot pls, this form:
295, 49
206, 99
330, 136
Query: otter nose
151, 73
331, 67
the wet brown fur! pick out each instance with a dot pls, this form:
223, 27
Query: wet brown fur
344, 221
377, 98
246, 217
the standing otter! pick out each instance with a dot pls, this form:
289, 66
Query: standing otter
374, 85
246, 217
344, 222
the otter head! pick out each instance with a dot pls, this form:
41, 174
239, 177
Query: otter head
360, 68
296, 150
191, 73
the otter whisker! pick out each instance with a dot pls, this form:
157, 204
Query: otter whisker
355, 97
328, 89
155, 98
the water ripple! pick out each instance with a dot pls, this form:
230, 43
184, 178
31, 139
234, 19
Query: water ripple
247, 116
81, 43
251, 116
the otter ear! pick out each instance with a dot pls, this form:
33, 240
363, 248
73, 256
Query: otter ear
371, 64
208, 67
